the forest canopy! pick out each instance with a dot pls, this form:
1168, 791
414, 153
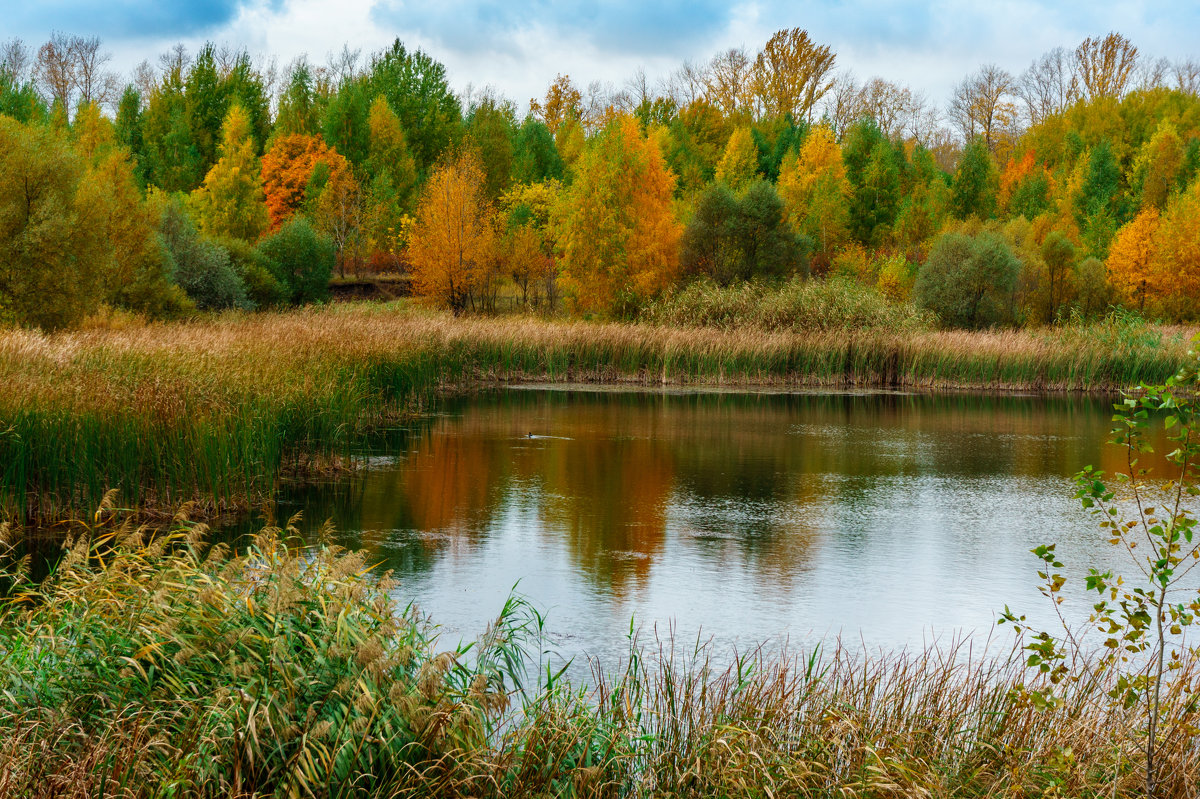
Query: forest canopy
213, 180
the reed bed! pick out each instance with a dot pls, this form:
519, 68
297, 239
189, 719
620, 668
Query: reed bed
212, 411
150, 665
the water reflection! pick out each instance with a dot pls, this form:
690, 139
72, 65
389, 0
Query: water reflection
752, 515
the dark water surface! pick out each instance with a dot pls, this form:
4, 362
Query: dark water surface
885, 518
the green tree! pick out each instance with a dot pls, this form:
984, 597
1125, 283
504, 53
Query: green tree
925, 204
301, 261
1096, 209
973, 189
877, 198
735, 238
491, 129
874, 177
243, 85
263, 290
173, 161
204, 106
968, 281
787, 137
19, 100
49, 274
128, 126
1032, 196
415, 87
297, 104
201, 266
345, 121
535, 156
393, 179
706, 248
231, 202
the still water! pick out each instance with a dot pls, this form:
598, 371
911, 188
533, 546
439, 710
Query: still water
745, 517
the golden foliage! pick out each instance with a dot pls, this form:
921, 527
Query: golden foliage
739, 165
815, 191
563, 101
231, 202
1131, 256
452, 247
617, 231
1105, 66
791, 74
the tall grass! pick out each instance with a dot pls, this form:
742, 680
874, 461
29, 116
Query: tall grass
155, 667
212, 411
839, 303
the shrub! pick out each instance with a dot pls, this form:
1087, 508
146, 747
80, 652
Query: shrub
798, 305
301, 261
969, 281
201, 267
262, 287
732, 239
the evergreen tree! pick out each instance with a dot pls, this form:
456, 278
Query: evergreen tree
491, 130
344, 121
416, 88
973, 190
297, 105
535, 156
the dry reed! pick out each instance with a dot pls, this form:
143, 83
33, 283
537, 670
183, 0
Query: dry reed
212, 410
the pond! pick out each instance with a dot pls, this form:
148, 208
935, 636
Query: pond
889, 519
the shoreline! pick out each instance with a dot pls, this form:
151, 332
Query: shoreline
214, 410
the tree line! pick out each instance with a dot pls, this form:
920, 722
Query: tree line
211, 181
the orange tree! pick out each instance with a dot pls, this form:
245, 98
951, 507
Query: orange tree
452, 248
287, 170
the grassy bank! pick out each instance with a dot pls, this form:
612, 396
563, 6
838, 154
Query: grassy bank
156, 668
213, 410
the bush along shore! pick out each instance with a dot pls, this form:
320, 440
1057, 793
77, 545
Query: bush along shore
213, 410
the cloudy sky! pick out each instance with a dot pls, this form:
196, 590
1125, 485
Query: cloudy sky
518, 47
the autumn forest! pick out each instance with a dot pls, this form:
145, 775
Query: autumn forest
210, 180
743, 414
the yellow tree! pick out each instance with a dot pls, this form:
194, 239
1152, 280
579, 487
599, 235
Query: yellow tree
1132, 255
452, 245
1158, 165
791, 74
393, 179
1175, 268
617, 231
528, 250
92, 132
815, 191
50, 258
231, 201
563, 101
388, 154
739, 165
133, 267
1105, 66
